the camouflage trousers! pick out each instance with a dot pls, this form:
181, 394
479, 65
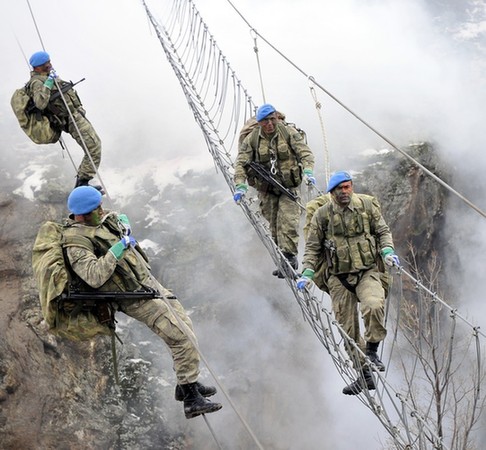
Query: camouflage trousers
159, 318
92, 142
283, 216
370, 298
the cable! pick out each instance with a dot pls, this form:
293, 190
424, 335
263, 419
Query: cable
366, 124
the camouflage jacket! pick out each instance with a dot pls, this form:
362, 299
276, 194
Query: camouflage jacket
41, 94
286, 147
87, 252
357, 233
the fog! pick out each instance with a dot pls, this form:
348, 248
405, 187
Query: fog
414, 70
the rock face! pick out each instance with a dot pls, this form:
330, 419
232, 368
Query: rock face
57, 394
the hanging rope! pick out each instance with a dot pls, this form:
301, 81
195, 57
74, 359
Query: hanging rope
255, 48
318, 105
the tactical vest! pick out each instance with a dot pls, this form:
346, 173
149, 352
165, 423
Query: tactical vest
130, 273
287, 164
355, 246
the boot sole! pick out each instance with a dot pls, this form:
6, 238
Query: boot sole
213, 408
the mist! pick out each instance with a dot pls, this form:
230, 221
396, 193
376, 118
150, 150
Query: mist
414, 70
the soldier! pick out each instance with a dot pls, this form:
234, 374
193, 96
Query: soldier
281, 150
351, 229
43, 82
103, 254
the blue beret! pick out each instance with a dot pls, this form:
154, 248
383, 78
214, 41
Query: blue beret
39, 58
336, 179
83, 200
264, 111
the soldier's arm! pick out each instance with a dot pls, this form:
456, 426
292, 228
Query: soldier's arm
380, 227
40, 94
314, 244
245, 155
304, 153
92, 270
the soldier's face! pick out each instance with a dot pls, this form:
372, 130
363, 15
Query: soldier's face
45, 68
342, 193
268, 124
95, 216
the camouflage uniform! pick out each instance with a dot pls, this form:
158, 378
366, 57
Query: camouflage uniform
87, 252
59, 117
358, 237
289, 153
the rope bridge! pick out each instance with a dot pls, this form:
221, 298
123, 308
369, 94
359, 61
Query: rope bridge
430, 398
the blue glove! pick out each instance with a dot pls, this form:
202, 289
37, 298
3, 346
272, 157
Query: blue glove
240, 191
389, 256
309, 177
306, 277
52, 74
123, 219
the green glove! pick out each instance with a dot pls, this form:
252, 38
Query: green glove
118, 249
309, 273
242, 187
386, 251
123, 219
49, 83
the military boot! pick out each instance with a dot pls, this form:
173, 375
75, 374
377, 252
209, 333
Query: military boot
85, 182
371, 353
195, 404
365, 380
294, 263
205, 391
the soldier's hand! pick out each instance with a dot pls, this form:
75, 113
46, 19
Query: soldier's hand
309, 177
389, 256
53, 74
305, 279
240, 191
123, 219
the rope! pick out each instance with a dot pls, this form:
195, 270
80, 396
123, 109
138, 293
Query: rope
366, 124
255, 48
318, 105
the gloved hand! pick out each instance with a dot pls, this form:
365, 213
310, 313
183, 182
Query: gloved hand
49, 83
309, 177
306, 277
118, 249
241, 189
389, 256
123, 219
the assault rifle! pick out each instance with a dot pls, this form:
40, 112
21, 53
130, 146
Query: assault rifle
32, 109
98, 302
266, 176
109, 296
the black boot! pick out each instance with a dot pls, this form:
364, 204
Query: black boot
195, 404
205, 391
371, 352
294, 263
85, 182
365, 380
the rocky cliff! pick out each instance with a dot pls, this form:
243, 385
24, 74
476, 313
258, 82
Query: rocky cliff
56, 394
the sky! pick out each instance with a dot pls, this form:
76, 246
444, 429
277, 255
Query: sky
414, 70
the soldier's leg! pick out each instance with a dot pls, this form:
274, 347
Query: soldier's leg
157, 316
269, 210
87, 133
288, 220
345, 309
371, 296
